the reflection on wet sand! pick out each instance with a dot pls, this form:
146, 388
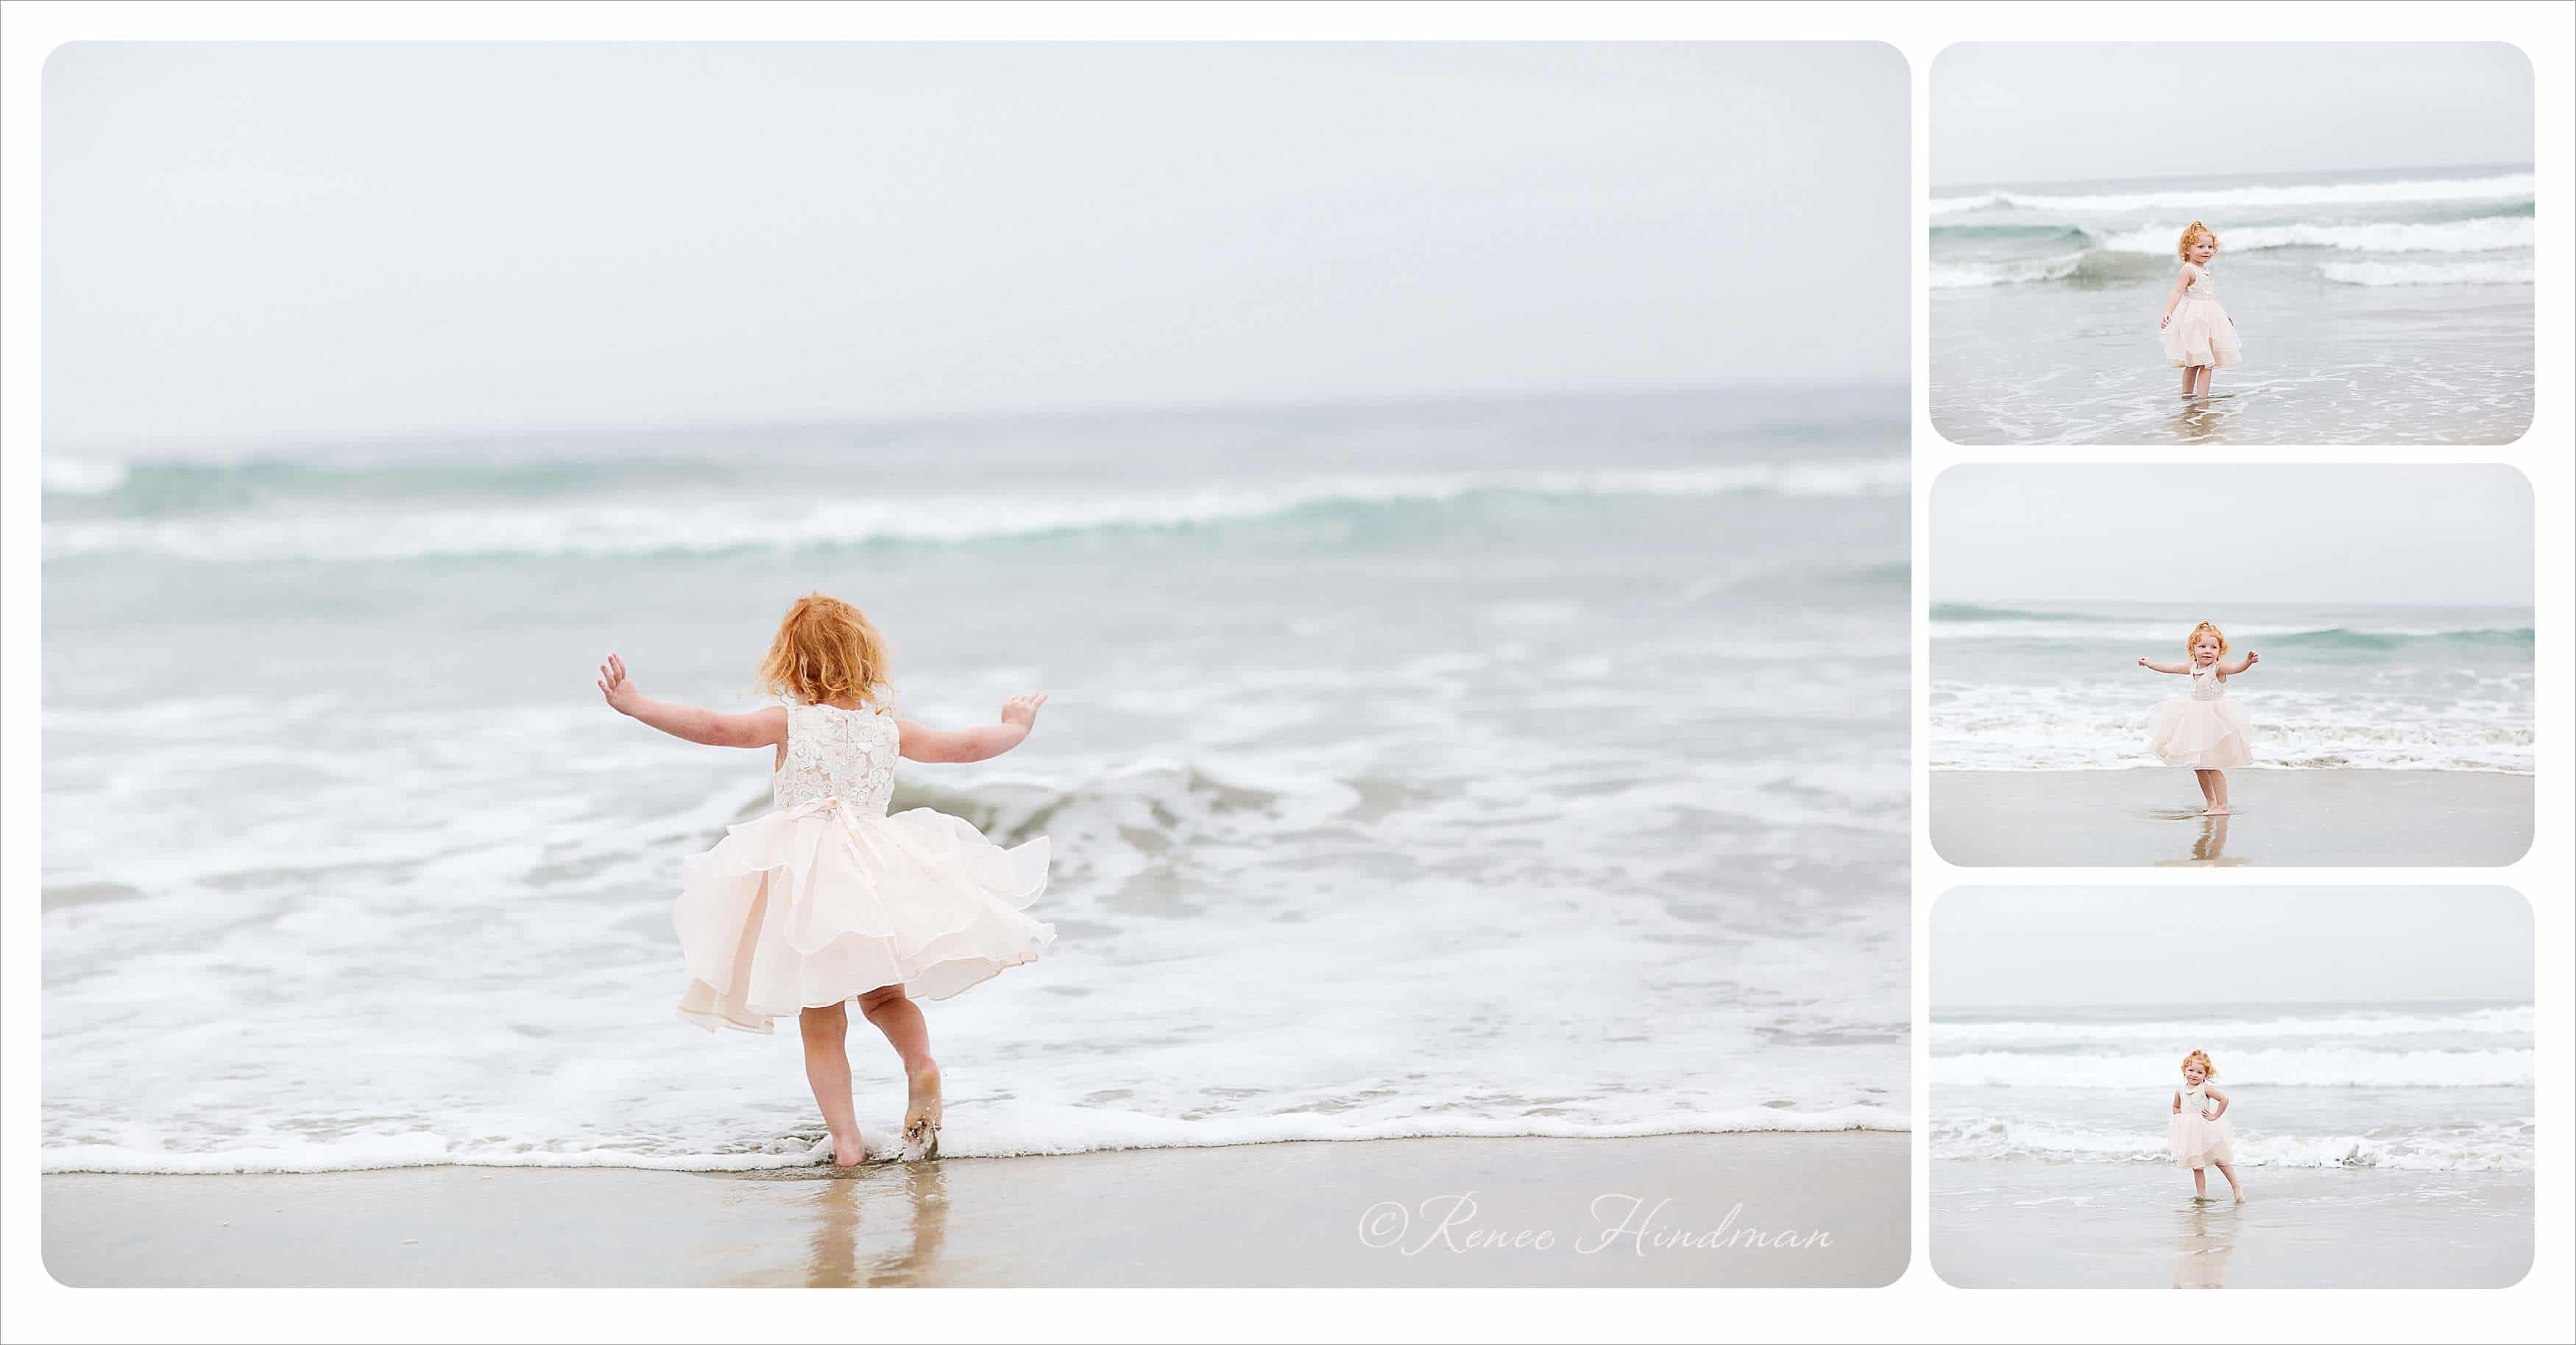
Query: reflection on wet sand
2201, 419
880, 1227
2208, 849
2208, 1240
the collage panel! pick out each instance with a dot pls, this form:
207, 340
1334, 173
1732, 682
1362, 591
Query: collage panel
2214, 1087
2293, 244
1307, 650
2214, 666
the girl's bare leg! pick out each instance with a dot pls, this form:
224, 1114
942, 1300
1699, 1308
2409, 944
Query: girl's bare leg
827, 1067
2218, 800
2203, 371
2190, 372
909, 1033
2208, 798
2234, 1188
2200, 1182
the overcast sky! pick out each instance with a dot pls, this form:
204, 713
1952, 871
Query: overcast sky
2014, 112
1993, 947
248, 241
2190, 533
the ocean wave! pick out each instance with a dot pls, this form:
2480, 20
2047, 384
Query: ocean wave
2493, 233
2012, 739
1959, 621
2337, 1067
2456, 273
688, 525
996, 1130
2492, 1146
1972, 275
2500, 1020
67, 475
2203, 201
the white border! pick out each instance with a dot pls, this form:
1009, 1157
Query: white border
1917, 1307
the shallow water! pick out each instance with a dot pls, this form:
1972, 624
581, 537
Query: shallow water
2375, 308
1476, 768
2058, 687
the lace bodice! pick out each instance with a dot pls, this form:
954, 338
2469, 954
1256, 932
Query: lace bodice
843, 754
2195, 1099
2205, 685
2201, 286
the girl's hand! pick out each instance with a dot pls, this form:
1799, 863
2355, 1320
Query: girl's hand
1023, 709
2142, 660
615, 686
2252, 658
2167, 318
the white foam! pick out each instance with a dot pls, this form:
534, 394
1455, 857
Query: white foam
2318, 1067
2455, 273
692, 524
67, 475
2205, 201
2515, 1020
1973, 275
2494, 1146
2489, 234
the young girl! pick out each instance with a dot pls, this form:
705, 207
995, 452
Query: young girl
2200, 1133
825, 898
2198, 335
2204, 730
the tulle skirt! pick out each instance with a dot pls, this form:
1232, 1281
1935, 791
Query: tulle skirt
2205, 735
814, 905
2201, 334
2199, 1142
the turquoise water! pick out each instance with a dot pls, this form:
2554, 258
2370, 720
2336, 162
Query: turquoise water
1496, 767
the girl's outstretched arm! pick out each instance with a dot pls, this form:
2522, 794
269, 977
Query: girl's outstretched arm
2219, 1098
761, 728
2162, 667
983, 742
2251, 658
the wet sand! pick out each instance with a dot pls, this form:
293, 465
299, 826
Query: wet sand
2151, 817
2030, 1225
1360, 1213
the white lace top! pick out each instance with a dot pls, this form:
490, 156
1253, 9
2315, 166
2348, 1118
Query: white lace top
2205, 685
2201, 286
843, 754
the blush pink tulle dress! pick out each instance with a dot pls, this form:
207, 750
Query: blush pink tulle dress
826, 897
2199, 331
2204, 730
2198, 1141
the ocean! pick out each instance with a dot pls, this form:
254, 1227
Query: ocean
2057, 686
2433, 1087
2381, 1145
1477, 767
2375, 308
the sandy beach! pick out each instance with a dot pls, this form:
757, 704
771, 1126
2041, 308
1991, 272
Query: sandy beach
2025, 1225
2151, 817
1359, 1213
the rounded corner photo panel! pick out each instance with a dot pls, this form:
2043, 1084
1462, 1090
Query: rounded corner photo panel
2350, 259
2222, 1087
1188, 664
2213, 666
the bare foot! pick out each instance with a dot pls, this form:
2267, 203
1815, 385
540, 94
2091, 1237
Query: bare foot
849, 1152
2215, 812
922, 1113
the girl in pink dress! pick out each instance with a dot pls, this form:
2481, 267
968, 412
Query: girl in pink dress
826, 898
2198, 336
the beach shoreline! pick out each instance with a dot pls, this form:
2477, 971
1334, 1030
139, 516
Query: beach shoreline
2150, 817
1668, 1210
2031, 1225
